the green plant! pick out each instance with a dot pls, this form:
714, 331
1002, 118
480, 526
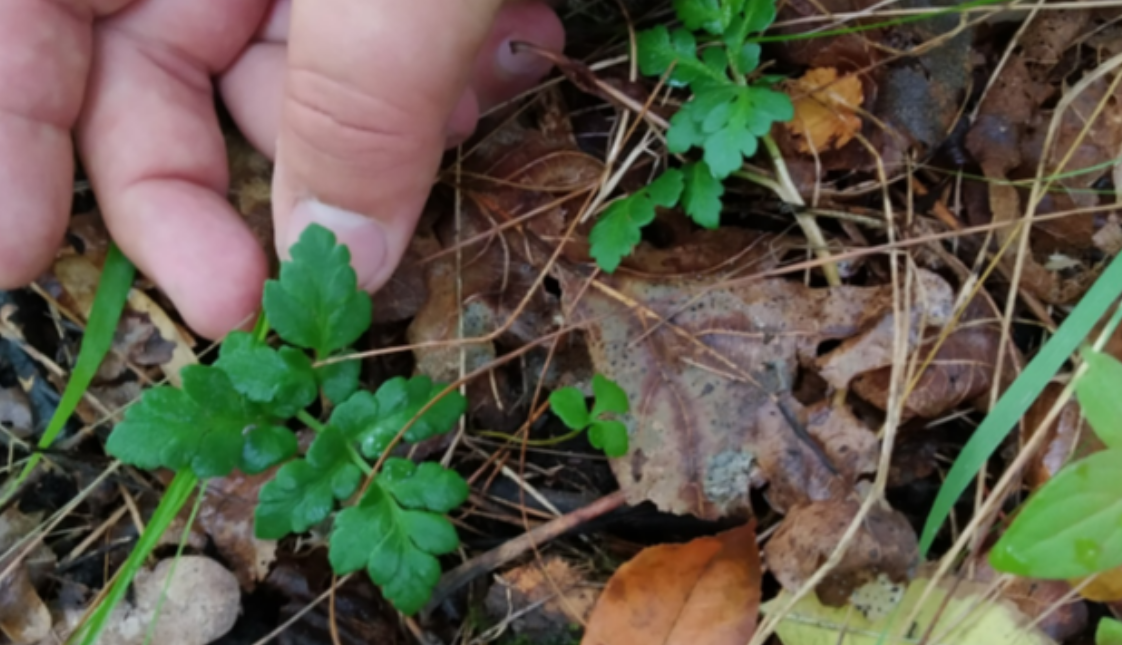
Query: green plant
1019, 396
728, 115
235, 413
605, 433
1072, 526
1108, 632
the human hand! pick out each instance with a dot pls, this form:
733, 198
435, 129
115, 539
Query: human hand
355, 100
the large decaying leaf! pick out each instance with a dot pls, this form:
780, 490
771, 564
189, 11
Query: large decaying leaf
884, 548
704, 591
708, 371
955, 613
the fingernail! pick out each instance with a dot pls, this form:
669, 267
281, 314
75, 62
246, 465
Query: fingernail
523, 62
364, 236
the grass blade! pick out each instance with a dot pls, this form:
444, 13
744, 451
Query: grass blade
1025, 389
109, 301
173, 500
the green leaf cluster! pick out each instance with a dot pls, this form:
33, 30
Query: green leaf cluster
398, 528
1072, 526
725, 118
234, 414
604, 432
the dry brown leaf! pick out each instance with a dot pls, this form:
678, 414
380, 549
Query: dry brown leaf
885, 545
824, 109
961, 370
851, 446
704, 591
24, 617
708, 371
1106, 587
543, 600
226, 515
874, 347
1008, 137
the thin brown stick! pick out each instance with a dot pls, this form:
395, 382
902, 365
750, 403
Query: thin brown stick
495, 558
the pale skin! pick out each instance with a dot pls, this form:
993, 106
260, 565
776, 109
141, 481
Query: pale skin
354, 99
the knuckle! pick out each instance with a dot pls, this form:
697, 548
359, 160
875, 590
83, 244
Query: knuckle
347, 124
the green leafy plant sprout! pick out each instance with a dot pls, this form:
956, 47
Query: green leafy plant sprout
604, 432
731, 112
1072, 526
235, 415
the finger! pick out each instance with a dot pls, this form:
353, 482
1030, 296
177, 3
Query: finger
150, 140
370, 88
43, 74
253, 88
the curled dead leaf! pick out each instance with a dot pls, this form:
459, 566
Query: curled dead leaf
825, 105
704, 591
961, 370
885, 545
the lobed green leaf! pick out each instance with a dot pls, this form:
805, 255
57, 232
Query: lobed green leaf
373, 420
316, 303
701, 195
201, 426
620, 227
304, 491
396, 531
282, 381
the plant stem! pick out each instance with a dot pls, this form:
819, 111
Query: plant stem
310, 421
261, 328
790, 194
552, 441
357, 460
318, 427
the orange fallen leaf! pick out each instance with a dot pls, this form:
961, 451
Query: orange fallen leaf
824, 109
1106, 587
704, 591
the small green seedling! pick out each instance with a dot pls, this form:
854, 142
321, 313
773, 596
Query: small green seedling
604, 433
1108, 632
729, 113
1072, 526
234, 415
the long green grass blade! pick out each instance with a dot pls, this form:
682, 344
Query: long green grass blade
1025, 389
109, 301
173, 500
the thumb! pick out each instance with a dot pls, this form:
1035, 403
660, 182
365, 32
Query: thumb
370, 89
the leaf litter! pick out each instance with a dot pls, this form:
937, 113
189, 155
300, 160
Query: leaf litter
756, 393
